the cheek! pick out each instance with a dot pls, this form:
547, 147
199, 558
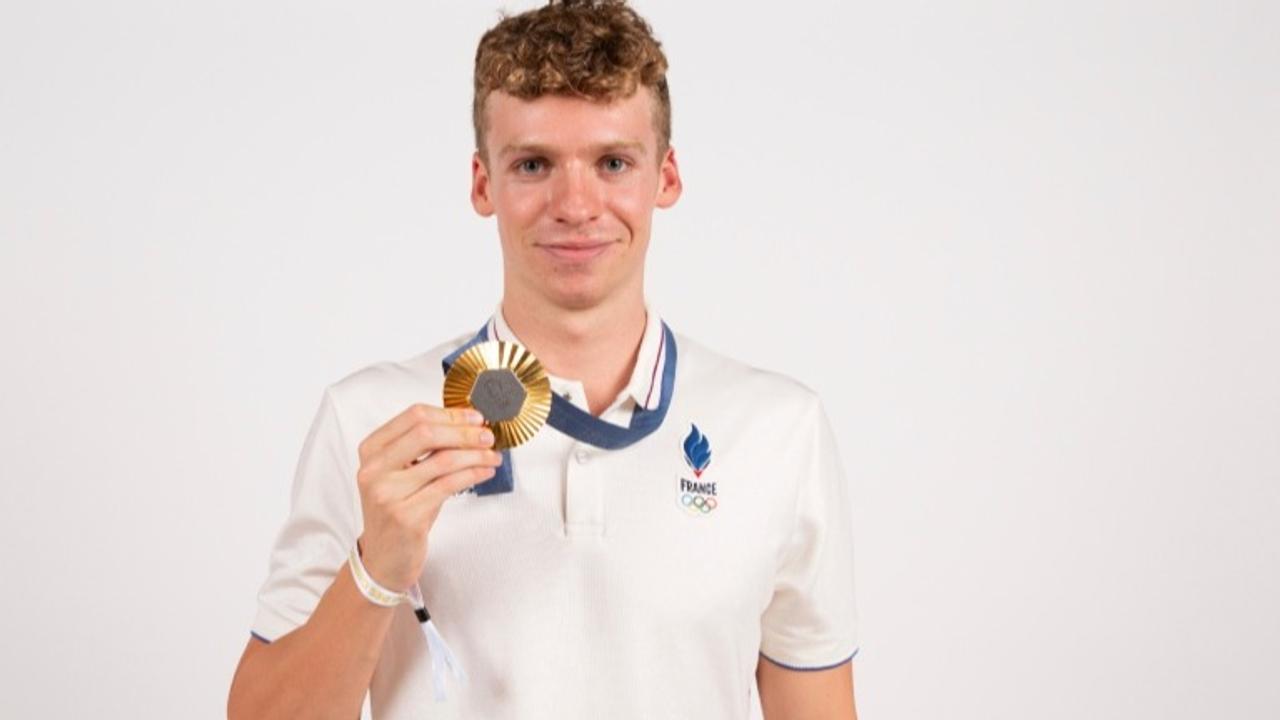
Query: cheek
633, 207
519, 208
632, 213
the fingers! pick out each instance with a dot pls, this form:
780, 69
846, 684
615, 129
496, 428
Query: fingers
425, 439
431, 496
413, 415
407, 482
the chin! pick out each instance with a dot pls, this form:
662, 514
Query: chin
576, 296
577, 301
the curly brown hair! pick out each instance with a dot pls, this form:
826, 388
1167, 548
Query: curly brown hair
595, 49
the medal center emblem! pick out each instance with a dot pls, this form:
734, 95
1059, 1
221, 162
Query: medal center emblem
498, 394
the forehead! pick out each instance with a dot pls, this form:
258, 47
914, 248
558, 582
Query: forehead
567, 122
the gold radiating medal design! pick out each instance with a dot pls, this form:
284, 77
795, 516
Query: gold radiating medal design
507, 384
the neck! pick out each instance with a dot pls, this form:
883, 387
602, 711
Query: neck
595, 345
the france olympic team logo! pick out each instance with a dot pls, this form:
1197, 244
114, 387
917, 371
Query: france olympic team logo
695, 496
697, 451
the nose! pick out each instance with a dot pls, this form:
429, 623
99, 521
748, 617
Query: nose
575, 196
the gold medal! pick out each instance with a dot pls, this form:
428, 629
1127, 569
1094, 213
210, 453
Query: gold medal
507, 384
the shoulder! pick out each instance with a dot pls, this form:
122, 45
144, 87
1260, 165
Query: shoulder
367, 397
712, 376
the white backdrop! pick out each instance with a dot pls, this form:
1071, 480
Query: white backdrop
1027, 252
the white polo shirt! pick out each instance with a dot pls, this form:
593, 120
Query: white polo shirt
641, 582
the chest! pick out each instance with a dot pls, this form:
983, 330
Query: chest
686, 523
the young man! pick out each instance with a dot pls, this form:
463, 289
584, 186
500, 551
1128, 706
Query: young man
699, 550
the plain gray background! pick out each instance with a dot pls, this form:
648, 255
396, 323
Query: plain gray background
1027, 252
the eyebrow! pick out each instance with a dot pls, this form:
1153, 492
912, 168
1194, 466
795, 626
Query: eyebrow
536, 149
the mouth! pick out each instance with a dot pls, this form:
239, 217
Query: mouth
576, 251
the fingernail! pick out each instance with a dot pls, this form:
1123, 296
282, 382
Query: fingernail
474, 417
486, 437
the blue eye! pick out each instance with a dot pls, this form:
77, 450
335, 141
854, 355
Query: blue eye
530, 165
616, 164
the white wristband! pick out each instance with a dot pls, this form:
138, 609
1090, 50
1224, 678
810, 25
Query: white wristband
370, 588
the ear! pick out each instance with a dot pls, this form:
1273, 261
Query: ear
669, 184
480, 199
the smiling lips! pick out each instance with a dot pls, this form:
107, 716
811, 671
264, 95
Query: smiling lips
576, 251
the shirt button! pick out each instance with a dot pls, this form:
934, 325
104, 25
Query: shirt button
582, 456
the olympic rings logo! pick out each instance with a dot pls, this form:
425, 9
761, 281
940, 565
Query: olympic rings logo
696, 504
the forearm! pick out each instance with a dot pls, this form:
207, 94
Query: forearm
320, 670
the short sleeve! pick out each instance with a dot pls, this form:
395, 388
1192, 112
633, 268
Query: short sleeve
811, 620
319, 532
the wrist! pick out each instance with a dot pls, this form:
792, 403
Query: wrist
372, 590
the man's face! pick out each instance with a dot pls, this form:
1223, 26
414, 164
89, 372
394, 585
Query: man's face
573, 184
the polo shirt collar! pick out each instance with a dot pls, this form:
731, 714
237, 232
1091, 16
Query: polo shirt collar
645, 385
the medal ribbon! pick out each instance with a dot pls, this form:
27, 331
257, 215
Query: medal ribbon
580, 424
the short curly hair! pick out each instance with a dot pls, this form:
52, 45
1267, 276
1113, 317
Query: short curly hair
595, 49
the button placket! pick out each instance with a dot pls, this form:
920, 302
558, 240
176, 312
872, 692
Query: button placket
584, 502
